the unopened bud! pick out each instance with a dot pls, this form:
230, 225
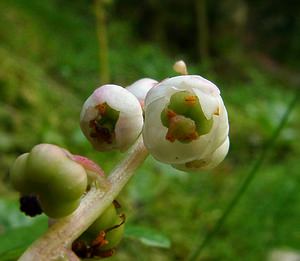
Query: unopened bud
140, 88
180, 67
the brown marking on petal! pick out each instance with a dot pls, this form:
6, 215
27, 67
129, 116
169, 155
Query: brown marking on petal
190, 99
196, 164
217, 112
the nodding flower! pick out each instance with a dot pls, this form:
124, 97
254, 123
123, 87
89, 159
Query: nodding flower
186, 123
111, 118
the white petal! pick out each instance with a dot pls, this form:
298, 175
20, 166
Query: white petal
154, 133
129, 123
209, 103
207, 163
141, 87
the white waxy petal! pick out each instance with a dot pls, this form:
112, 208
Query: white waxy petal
154, 132
141, 87
130, 121
206, 163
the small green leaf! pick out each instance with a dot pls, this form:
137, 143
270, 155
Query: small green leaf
147, 236
11, 216
15, 240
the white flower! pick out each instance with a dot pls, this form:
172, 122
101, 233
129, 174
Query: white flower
140, 88
186, 122
111, 118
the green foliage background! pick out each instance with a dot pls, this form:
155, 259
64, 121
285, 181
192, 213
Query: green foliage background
49, 64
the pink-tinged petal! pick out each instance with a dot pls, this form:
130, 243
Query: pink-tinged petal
140, 88
88, 164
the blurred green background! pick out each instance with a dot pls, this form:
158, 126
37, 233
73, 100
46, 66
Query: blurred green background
53, 54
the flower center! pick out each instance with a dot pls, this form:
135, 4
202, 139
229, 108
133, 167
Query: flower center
102, 127
184, 118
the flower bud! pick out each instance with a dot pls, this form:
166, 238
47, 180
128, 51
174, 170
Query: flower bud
180, 67
111, 118
186, 123
140, 88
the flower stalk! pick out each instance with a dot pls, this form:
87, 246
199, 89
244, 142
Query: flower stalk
59, 237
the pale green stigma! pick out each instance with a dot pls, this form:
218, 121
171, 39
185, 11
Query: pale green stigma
184, 118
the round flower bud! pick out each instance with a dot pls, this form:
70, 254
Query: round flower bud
185, 121
140, 88
180, 67
111, 118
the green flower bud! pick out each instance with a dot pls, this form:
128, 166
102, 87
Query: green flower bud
140, 88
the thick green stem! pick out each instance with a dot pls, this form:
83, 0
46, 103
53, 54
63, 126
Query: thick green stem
53, 244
